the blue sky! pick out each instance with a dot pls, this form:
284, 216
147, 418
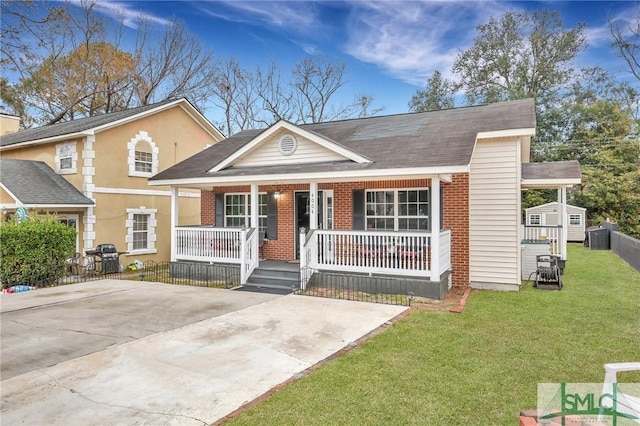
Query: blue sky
390, 47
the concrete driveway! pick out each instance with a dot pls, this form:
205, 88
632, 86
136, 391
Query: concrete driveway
121, 352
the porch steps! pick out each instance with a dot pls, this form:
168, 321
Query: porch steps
275, 275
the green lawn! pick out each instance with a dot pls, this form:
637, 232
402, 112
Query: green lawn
480, 367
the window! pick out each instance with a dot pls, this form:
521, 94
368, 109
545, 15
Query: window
238, 211
66, 157
141, 231
398, 210
535, 219
143, 155
575, 219
144, 162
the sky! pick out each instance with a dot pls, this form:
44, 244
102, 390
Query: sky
390, 47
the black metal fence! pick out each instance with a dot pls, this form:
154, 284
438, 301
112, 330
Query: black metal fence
363, 288
202, 275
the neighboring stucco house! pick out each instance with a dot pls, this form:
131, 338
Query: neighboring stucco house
93, 173
547, 215
435, 196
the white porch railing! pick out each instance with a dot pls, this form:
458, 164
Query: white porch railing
224, 245
551, 233
381, 252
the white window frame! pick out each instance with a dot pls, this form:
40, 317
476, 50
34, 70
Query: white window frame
262, 218
530, 217
71, 154
142, 137
395, 212
151, 230
65, 218
575, 216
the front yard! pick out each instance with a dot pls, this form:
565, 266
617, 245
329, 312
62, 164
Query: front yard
478, 367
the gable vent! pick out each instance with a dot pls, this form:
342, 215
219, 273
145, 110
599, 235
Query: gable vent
288, 144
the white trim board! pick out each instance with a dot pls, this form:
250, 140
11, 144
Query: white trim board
152, 192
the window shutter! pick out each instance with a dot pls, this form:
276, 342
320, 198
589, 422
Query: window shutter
219, 210
441, 208
272, 216
358, 209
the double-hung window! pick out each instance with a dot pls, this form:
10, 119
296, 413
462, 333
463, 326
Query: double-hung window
140, 231
238, 211
535, 219
144, 161
575, 219
398, 210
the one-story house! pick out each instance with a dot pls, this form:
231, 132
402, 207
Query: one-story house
434, 196
547, 215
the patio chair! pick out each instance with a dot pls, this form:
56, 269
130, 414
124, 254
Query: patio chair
261, 241
73, 264
625, 404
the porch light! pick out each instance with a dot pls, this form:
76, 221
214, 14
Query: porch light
277, 194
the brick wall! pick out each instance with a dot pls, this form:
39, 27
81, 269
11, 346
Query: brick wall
456, 215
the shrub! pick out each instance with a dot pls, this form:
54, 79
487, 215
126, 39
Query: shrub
34, 252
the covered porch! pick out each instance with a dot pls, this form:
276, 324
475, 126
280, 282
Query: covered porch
558, 176
382, 227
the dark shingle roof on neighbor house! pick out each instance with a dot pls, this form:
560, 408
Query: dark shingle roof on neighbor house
35, 183
553, 170
74, 126
424, 139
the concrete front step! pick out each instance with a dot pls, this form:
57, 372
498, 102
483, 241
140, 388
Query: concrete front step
267, 285
286, 281
276, 273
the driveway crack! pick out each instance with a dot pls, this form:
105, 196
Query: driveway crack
72, 330
106, 404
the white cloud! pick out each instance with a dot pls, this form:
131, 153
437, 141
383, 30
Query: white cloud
294, 17
410, 40
124, 11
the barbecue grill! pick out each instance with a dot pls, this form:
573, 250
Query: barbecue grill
107, 258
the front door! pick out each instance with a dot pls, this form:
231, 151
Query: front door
302, 208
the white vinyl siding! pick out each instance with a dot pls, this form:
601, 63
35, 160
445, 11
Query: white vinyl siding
268, 153
549, 212
494, 217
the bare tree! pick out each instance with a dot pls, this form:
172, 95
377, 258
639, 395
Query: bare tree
626, 42
235, 94
77, 67
275, 95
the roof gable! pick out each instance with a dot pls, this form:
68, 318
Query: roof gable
310, 147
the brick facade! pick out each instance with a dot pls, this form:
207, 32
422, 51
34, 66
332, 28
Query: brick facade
456, 214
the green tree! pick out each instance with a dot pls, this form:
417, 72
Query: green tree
438, 94
521, 55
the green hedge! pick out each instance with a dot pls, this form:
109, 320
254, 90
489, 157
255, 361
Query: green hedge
34, 252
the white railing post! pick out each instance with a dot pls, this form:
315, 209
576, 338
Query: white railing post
435, 229
303, 259
243, 257
173, 217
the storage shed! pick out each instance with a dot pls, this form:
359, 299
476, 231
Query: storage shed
547, 215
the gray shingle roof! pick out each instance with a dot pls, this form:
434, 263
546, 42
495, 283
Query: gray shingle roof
35, 183
551, 170
426, 139
74, 126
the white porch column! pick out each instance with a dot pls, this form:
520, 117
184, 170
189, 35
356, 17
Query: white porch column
255, 201
435, 228
174, 221
313, 205
564, 223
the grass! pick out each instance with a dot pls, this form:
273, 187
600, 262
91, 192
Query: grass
478, 367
